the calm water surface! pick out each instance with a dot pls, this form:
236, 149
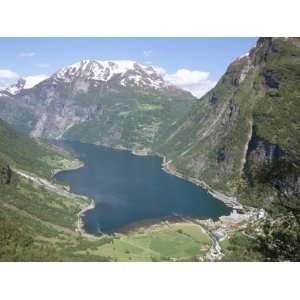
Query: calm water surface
129, 188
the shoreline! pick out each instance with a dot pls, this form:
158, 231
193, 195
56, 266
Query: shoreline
48, 185
80, 224
75, 165
147, 224
72, 165
142, 227
136, 152
229, 201
216, 229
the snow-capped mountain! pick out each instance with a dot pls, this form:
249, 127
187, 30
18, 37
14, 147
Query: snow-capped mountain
17, 87
122, 73
4, 93
117, 102
125, 72
22, 84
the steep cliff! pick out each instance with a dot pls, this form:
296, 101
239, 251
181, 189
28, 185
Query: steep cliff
243, 137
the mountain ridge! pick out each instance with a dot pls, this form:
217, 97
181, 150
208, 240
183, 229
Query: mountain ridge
241, 138
236, 136
101, 70
119, 103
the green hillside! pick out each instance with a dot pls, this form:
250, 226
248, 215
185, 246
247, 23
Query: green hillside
19, 151
129, 119
41, 224
242, 138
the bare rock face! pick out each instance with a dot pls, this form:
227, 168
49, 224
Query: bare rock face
232, 112
268, 164
53, 124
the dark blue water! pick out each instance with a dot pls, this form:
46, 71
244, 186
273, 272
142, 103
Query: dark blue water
129, 188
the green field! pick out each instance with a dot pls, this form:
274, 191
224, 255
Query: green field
47, 222
163, 242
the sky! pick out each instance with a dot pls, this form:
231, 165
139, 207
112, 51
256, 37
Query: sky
194, 64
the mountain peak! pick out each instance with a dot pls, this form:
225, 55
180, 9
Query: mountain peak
22, 84
16, 87
128, 72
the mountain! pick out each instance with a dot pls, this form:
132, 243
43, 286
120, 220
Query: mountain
40, 219
19, 151
243, 137
22, 84
16, 88
116, 103
30, 214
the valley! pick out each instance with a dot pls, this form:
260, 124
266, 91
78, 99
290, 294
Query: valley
239, 143
131, 189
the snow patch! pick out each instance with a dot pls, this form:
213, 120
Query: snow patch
13, 90
128, 72
244, 55
25, 83
3, 93
31, 81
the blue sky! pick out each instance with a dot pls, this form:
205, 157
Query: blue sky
43, 56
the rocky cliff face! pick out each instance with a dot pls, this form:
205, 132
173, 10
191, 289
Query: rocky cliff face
243, 137
270, 173
113, 103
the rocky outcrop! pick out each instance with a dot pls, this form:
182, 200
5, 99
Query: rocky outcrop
53, 124
268, 164
231, 114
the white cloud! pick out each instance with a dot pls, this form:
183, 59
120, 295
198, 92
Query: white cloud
183, 77
7, 77
147, 53
161, 71
27, 54
42, 65
196, 82
8, 74
34, 80
201, 88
